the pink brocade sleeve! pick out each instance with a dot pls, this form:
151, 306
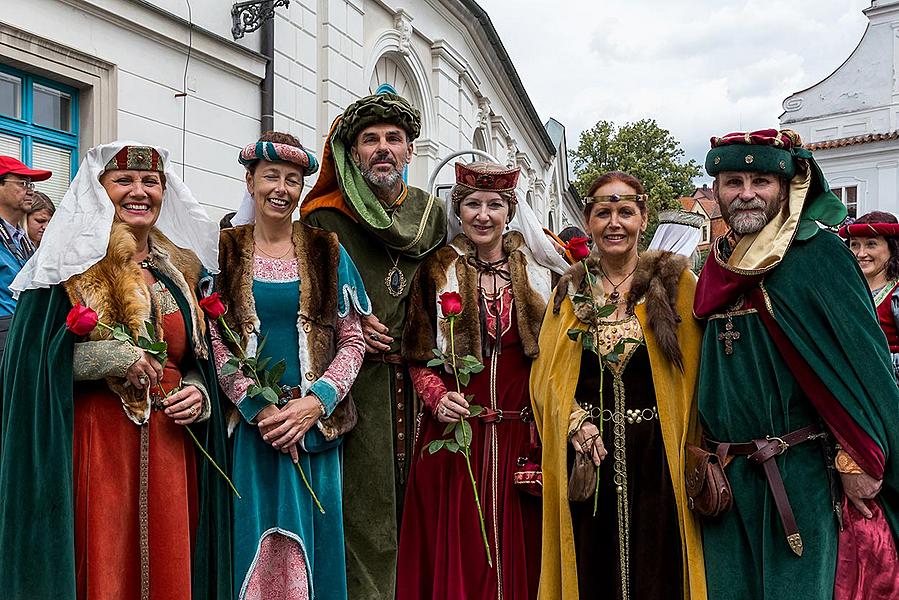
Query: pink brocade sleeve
342, 372
428, 385
235, 386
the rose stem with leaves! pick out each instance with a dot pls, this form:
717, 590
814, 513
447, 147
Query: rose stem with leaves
199, 445
254, 375
466, 451
601, 381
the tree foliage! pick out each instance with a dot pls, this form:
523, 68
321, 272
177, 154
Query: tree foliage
643, 149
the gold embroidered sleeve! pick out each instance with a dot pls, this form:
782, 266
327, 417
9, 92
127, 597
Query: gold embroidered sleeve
195, 379
104, 358
576, 419
845, 463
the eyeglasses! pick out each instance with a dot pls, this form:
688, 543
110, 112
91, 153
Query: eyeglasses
28, 185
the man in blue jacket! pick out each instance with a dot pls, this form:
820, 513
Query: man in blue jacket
16, 191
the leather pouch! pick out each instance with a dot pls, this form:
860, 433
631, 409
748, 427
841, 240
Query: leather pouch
582, 482
708, 490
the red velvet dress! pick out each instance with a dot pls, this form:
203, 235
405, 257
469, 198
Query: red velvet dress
111, 502
441, 554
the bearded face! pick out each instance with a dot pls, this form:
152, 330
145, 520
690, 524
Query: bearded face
749, 200
382, 152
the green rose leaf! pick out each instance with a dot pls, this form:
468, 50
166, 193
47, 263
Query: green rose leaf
435, 362
277, 372
462, 434
606, 310
229, 368
269, 395
436, 446
464, 377
253, 391
452, 446
449, 427
151, 331
475, 409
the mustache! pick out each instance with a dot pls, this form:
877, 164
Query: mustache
382, 156
755, 203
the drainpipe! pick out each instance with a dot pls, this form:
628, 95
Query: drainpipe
268, 83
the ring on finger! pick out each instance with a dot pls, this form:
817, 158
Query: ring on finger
443, 411
194, 411
143, 380
374, 337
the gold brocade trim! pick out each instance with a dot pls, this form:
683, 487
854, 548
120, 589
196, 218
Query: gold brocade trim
421, 225
736, 313
767, 298
609, 333
619, 454
885, 291
167, 303
143, 511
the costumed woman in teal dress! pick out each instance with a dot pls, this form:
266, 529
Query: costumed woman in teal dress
288, 544
103, 493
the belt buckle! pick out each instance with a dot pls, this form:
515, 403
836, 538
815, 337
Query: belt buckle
499, 416
525, 415
783, 444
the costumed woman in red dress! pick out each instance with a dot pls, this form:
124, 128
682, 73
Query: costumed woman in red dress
104, 493
874, 240
504, 281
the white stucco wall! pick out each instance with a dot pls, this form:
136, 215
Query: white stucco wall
326, 52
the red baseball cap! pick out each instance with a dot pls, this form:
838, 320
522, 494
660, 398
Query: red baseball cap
12, 166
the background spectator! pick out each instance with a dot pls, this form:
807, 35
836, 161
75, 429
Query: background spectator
38, 216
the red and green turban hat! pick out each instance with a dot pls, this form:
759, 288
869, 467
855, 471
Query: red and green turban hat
763, 151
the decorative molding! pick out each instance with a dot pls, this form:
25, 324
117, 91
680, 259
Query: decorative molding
95, 78
792, 104
483, 117
402, 23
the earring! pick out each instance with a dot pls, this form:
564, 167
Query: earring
508, 229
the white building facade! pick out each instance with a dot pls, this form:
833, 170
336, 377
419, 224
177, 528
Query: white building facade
851, 119
76, 73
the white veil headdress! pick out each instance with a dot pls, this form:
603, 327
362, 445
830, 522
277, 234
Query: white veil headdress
679, 232
78, 234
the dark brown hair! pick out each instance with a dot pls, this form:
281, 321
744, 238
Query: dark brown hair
879, 216
606, 178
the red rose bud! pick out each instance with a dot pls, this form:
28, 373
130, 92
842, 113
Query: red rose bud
451, 304
212, 305
578, 249
81, 320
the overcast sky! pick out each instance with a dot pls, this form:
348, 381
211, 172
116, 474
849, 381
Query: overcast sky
698, 67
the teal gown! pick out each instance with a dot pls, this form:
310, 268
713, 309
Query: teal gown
275, 500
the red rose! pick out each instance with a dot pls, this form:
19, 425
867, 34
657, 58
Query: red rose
450, 303
212, 305
577, 248
81, 320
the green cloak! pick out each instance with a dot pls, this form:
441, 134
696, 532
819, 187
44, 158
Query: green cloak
373, 479
37, 545
819, 299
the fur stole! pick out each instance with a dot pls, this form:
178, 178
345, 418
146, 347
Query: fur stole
115, 289
318, 259
656, 281
447, 270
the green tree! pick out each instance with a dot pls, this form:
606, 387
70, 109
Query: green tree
643, 149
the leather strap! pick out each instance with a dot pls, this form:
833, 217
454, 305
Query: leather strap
781, 501
490, 415
761, 452
391, 359
399, 447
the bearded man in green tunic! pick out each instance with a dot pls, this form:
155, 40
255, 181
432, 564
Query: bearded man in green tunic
796, 395
388, 228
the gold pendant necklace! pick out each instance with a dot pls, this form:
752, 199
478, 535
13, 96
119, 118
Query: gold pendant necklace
395, 281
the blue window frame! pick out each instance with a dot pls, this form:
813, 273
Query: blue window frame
39, 124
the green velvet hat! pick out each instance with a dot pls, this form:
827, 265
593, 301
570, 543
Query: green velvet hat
764, 151
378, 108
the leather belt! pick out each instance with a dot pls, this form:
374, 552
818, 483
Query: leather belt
391, 359
489, 415
760, 452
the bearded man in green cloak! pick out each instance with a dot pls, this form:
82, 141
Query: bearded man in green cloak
796, 395
388, 228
